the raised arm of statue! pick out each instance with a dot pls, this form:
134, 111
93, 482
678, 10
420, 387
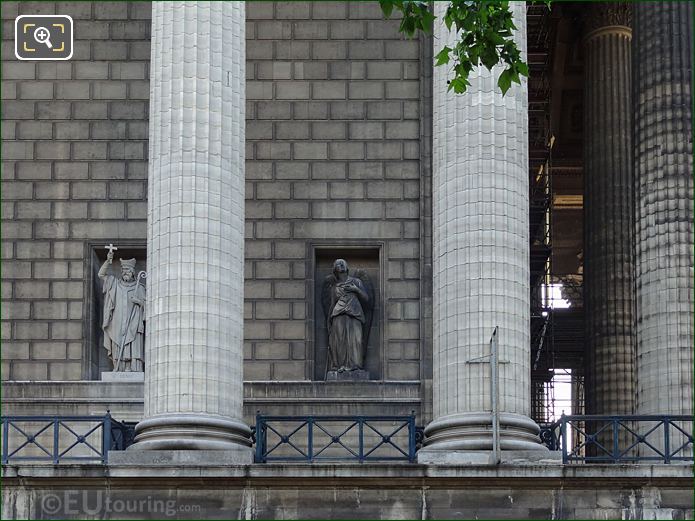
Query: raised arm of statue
104, 270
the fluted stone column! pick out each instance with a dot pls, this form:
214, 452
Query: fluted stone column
481, 257
663, 60
608, 209
195, 240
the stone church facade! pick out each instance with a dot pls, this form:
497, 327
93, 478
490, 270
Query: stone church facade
236, 150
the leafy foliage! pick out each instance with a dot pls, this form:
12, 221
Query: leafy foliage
485, 35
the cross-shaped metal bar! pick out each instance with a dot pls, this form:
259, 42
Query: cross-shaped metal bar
495, 456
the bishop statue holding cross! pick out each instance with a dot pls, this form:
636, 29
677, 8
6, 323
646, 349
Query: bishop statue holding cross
124, 314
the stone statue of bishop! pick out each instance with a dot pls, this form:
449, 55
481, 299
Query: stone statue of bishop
124, 316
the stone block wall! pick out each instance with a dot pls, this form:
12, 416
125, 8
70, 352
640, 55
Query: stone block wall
74, 175
347, 491
333, 157
333, 94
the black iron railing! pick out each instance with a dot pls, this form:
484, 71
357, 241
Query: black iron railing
581, 438
59, 439
336, 438
621, 439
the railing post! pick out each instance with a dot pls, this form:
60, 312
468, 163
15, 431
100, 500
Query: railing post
667, 441
411, 438
310, 439
496, 455
260, 437
264, 440
360, 435
56, 439
563, 434
5, 444
616, 450
106, 437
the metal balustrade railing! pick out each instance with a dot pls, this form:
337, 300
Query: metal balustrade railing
336, 438
621, 439
62, 439
581, 438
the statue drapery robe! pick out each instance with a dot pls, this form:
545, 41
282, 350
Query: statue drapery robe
345, 322
123, 323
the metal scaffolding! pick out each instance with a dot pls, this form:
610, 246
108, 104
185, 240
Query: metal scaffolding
540, 210
557, 314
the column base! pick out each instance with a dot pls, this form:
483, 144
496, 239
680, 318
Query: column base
177, 458
433, 456
190, 432
473, 432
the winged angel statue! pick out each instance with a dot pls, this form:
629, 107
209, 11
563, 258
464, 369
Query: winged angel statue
348, 302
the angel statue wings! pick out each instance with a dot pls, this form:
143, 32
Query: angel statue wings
348, 302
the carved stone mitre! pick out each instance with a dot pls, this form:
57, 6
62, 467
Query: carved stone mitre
128, 263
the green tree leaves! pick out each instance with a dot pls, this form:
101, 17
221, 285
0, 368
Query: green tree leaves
416, 15
485, 31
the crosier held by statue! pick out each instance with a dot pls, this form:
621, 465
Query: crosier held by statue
124, 316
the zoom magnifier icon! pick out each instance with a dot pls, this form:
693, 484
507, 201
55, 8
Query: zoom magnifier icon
42, 35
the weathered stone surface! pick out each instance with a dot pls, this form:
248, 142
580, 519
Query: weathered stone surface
481, 259
63, 117
608, 212
346, 491
313, 82
234, 456
469, 457
122, 376
663, 60
125, 399
347, 376
194, 384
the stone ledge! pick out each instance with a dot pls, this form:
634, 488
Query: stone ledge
468, 457
122, 376
185, 466
185, 458
125, 399
254, 391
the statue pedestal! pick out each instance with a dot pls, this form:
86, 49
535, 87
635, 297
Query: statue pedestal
358, 374
123, 376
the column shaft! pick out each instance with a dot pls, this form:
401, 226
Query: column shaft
608, 205
481, 256
663, 59
195, 240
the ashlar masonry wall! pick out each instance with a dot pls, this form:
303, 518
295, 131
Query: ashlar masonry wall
333, 156
74, 173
